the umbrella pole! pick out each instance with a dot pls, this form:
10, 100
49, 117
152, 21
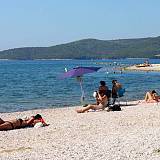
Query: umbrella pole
82, 91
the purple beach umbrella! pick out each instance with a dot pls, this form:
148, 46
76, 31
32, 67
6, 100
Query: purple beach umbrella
78, 72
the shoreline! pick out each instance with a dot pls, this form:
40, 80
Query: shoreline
132, 133
153, 67
62, 107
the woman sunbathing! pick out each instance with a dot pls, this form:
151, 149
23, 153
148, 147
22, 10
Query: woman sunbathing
20, 123
102, 103
152, 97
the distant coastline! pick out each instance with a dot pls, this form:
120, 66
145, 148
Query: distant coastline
66, 59
137, 58
52, 59
89, 49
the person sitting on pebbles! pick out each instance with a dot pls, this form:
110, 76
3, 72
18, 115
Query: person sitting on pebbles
20, 123
152, 97
102, 103
102, 88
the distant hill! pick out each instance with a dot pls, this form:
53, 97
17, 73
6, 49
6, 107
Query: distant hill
90, 49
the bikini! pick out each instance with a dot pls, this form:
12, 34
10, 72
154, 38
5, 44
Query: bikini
10, 124
20, 125
17, 127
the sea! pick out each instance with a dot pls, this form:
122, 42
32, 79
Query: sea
35, 84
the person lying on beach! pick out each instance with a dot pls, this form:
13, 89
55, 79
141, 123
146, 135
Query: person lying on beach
152, 97
102, 103
20, 123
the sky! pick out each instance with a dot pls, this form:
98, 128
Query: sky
30, 23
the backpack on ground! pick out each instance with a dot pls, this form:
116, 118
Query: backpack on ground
115, 107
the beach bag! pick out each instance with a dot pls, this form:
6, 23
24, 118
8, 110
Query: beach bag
121, 92
115, 107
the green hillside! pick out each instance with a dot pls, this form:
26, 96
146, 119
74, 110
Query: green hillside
90, 48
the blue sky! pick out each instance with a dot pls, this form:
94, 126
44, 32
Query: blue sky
26, 23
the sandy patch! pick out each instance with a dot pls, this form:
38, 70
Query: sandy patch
153, 67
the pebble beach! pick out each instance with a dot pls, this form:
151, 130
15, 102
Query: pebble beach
130, 134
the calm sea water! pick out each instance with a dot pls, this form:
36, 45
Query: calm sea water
26, 85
